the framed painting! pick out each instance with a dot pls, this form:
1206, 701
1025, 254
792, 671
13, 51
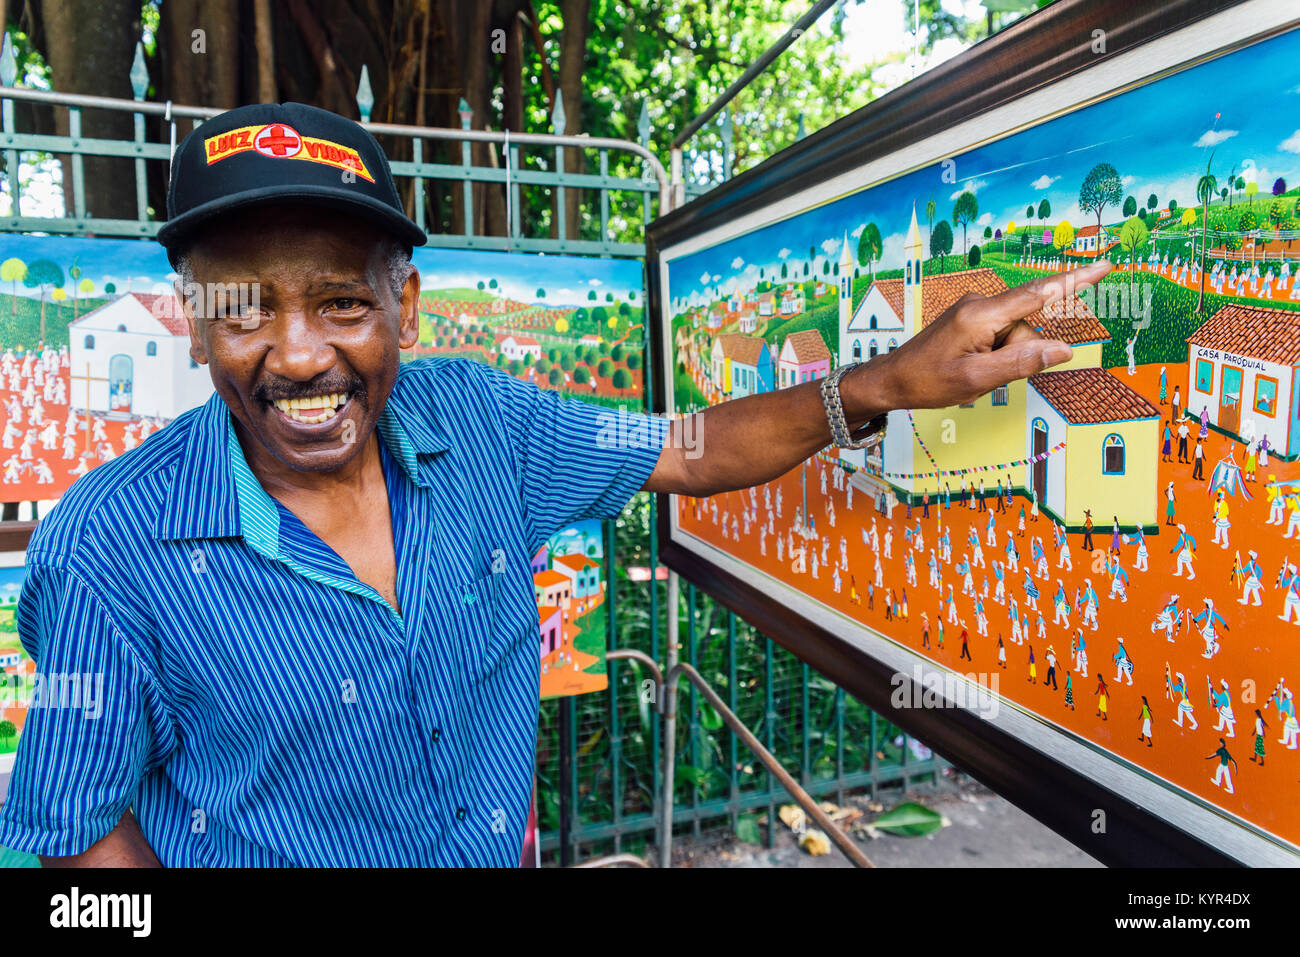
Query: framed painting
1082, 587
94, 358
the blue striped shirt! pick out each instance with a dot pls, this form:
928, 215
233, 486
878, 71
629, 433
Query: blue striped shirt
257, 704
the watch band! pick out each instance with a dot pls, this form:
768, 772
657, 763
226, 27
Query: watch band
870, 434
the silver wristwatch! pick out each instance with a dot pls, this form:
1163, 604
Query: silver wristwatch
871, 434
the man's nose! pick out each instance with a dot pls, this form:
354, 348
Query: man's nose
299, 350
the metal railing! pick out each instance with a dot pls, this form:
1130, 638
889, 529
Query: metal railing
811, 739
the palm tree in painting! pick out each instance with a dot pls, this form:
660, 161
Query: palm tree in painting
1206, 187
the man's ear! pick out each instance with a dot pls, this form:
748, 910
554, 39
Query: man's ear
197, 351
409, 333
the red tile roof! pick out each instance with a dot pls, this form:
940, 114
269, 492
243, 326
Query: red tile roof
892, 290
808, 346
549, 577
165, 308
576, 562
1272, 335
1070, 320
741, 348
1091, 395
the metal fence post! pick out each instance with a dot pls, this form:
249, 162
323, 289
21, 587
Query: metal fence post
669, 705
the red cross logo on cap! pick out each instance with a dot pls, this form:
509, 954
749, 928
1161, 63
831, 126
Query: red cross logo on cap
278, 140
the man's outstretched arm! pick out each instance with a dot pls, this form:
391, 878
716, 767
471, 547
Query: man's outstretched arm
978, 344
124, 846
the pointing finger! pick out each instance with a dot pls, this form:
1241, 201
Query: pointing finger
1021, 301
1015, 360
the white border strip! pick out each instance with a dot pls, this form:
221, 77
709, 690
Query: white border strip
1231, 835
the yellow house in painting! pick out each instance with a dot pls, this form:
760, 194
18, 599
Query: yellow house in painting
1108, 462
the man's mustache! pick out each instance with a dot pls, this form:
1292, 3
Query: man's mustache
272, 392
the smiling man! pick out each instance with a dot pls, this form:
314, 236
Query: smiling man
308, 602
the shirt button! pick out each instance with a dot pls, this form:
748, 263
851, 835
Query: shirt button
460, 814
435, 734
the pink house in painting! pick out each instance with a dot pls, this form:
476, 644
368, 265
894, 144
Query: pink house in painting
804, 357
552, 627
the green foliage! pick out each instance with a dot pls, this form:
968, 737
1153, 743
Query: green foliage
909, 820
1044, 209
1133, 236
870, 245
941, 239
1101, 188
964, 211
747, 829
974, 256
44, 275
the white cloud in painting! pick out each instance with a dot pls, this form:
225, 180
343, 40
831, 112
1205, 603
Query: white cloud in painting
1214, 137
783, 254
1126, 181
830, 246
566, 292
717, 278
704, 279
737, 263
594, 282
985, 220
1291, 144
1043, 182
970, 186
892, 255
858, 232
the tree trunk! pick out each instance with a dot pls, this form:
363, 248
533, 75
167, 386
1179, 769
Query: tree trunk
201, 68
89, 45
573, 51
265, 46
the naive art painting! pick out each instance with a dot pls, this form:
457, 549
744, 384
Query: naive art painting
1117, 537
94, 358
16, 671
569, 582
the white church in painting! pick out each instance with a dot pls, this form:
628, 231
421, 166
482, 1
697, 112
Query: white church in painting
1104, 433
134, 353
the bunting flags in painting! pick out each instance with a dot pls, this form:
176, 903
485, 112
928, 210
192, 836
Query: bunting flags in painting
970, 469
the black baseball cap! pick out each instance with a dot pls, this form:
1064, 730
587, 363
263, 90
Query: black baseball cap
280, 153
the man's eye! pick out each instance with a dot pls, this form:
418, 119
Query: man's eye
347, 304
246, 317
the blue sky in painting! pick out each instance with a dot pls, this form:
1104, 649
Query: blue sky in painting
579, 538
141, 266
1159, 137
11, 582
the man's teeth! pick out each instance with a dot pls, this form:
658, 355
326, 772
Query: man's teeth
328, 404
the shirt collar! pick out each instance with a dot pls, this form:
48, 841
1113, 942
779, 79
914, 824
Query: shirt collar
214, 493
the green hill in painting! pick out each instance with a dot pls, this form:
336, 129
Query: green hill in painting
20, 320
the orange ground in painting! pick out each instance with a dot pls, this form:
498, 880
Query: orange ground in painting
559, 674
1256, 648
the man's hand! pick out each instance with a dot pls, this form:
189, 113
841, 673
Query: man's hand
975, 346
978, 344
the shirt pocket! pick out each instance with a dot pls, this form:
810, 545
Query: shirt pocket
484, 624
